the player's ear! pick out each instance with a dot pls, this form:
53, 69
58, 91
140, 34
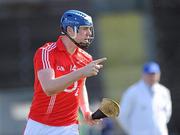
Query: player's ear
69, 30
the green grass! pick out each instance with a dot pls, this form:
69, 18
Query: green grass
122, 44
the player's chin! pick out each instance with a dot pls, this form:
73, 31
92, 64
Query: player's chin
86, 41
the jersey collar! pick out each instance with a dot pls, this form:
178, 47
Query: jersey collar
61, 46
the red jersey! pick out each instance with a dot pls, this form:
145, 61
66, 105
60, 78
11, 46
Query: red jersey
60, 109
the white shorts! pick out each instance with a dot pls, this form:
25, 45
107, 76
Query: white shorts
36, 128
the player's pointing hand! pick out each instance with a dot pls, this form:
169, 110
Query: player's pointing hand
99, 60
93, 68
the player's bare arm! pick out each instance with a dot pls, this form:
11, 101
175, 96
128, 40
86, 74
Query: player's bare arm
52, 85
84, 101
84, 105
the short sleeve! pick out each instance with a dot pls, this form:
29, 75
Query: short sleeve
42, 59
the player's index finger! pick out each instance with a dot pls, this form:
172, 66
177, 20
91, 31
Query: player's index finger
100, 60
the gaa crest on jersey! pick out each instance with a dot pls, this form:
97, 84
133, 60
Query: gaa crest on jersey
60, 68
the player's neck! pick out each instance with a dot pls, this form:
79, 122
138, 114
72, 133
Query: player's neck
70, 46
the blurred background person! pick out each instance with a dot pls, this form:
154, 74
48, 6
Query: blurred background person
146, 105
108, 127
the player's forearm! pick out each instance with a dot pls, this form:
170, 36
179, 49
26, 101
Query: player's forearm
84, 101
53, 85
61, 83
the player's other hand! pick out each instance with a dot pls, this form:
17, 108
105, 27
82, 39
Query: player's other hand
89, 120
93, 67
